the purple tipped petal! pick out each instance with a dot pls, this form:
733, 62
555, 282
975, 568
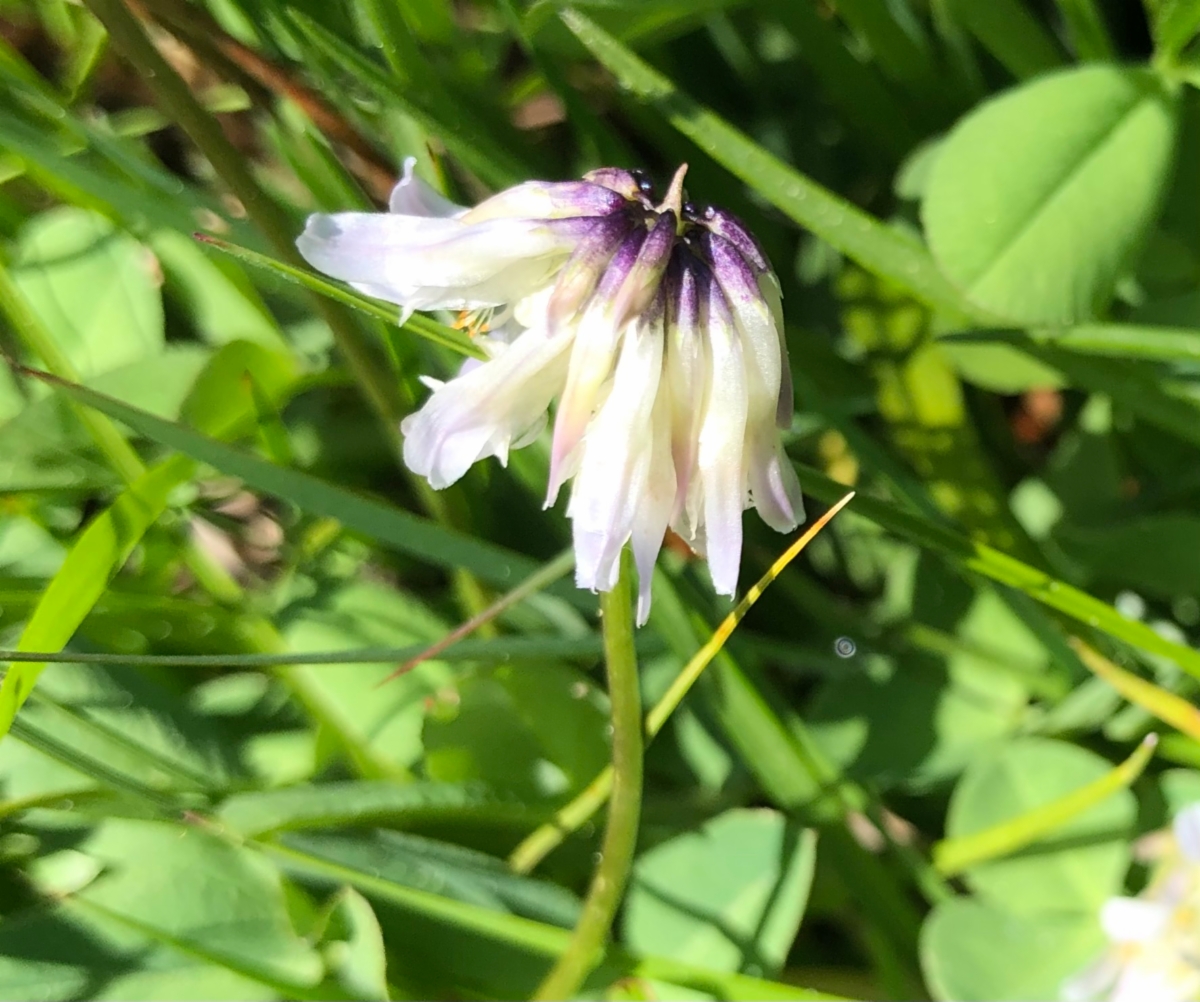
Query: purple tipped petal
587, 262
642, 283
727, 225
596, 340
548, 200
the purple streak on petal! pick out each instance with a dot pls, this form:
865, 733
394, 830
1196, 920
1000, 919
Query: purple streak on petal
596, 339
686, 371
642, 283
587, 262
548, 200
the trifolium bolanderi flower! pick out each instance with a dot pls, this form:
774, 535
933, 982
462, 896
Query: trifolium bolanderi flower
656, 324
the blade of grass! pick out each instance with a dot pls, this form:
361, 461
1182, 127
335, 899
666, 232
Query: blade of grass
1011, 33
526, 935
498, 650
1166, 706
878, 248
952, 856
1085, 25
1000, 567
92, 562
386, 524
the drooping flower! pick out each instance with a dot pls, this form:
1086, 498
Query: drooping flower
657, 326
1155, 952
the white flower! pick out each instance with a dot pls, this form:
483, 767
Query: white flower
1155, 936
656, 325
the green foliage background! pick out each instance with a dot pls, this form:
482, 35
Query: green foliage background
986, 218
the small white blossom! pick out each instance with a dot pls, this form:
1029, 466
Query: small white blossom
1155, 952
657, 326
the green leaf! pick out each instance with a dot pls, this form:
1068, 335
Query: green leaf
976, 951
532, 734
93, 286
224, 905
354, 948
1010, 208
729, 896
1076, 867
218, 299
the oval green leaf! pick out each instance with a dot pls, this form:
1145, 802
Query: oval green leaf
1039, 199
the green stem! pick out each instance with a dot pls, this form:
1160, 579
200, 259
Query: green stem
620, 835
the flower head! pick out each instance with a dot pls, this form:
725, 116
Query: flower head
1155, 951
657, 325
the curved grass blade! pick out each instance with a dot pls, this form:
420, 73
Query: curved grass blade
878, 248
1166, 706
952, 856
525, 936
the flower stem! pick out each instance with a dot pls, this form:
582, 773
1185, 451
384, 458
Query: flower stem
625, 805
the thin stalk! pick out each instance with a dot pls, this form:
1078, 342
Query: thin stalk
546, 838
620, 836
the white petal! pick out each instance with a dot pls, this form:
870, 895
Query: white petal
686, 372
614, 472
1133, 920
430, 263
413, 197
481, 412
1187, 832
719, 457
658, 499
